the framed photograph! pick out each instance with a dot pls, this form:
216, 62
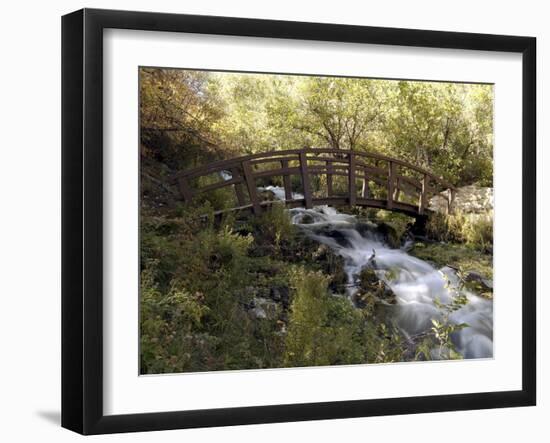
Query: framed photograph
269, 221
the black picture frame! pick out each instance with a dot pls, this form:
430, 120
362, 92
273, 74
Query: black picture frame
82, 219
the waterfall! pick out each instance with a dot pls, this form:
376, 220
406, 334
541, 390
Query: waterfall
416, 284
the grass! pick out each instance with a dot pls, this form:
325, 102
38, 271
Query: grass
458, 256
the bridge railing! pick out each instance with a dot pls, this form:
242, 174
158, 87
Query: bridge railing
384, 182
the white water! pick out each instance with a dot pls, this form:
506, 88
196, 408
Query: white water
279, 192
416, 283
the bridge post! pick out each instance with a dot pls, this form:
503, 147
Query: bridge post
185, 190
365, 187
352, 191
423, 195
391, 184
286, 181
305, 181
397, 192
450, 200
251, 186
329, 178
238, 187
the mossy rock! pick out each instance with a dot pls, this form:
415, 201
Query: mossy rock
390, 234
331, 264
369, 283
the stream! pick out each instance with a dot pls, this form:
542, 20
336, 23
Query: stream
416, 284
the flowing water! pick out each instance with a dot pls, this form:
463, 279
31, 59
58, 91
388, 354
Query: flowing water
416, 284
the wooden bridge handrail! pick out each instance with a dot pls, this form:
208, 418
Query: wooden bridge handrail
350, 164
221, 165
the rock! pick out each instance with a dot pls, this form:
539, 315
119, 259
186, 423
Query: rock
257, 313
381, 231
471, 199
390, 234
366, 229
266, 195
371, 285
261, 308
301, 247
478, 280
280, 294
336, 234
305, 219
332, 264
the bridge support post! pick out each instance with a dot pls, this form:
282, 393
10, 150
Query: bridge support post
397, 192
329, 178
185, 190
251, 186
238, 187
365, 187
423, 195
352, 191
391, 184
305, 181
286, 181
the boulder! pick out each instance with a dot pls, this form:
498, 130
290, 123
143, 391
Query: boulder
478, 280
280, 294
370, 285
305, 219
266, 195
471, 199
261, 308
332, 264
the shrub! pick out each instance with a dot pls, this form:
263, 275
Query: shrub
274, 225
476, 230
323, 329
167, 320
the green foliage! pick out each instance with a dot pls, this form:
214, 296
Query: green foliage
457, 256
190, 117
202, 277
275, 225
475, 230
323, 329
328, 330
212, 264
438, 343
167, 318
478, 232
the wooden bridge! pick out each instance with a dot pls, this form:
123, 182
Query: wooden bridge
321, 177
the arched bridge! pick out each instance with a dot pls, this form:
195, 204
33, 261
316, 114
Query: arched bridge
314, 176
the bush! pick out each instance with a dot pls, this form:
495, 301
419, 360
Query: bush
274, 225
478, 232
475, 230
167, 320
323, 329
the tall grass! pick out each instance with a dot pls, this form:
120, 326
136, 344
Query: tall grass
475, 230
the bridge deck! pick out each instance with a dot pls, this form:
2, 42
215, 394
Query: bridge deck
336, 202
